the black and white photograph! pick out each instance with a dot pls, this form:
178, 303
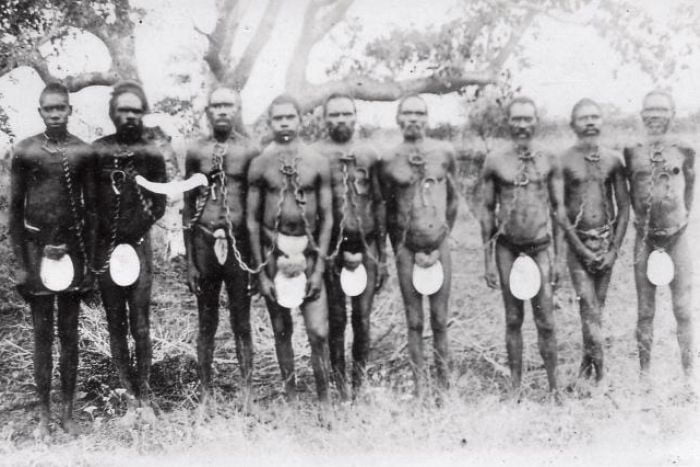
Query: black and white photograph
349, 232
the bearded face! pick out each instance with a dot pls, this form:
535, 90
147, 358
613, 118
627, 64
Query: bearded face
128, 117
522, 121
340, 117
587, 121
657, 113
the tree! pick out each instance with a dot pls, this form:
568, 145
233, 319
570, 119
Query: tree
470, 50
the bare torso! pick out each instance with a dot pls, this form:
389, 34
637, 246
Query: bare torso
588, 186
47, 205
417, 175
228, 163
657, 187
352, 165
522, 193
288, 185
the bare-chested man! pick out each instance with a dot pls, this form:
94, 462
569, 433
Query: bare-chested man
417, 179
126, 213
525, 184
359, 237
597, 204
216, 238
661, 175
289, 218
52, 223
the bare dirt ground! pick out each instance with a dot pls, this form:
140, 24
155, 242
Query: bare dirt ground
477, 423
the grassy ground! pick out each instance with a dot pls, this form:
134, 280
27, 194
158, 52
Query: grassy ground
476, 424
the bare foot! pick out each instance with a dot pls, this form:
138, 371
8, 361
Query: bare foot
69, 426
41, 432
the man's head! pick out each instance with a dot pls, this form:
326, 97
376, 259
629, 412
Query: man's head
340, 115
412, 117
522, 119
222, 108
586, 118
658, 109
284, 118
127, 108
54, 107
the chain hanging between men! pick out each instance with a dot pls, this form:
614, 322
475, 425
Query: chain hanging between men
657, 163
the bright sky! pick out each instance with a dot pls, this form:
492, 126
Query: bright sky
568, 62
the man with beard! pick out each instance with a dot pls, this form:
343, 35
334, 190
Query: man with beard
597, 204
357, 262
523, 184
52, 230
216, 238
417, 180
127, 212
661, 176
289, 218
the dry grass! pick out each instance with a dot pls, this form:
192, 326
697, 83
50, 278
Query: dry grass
477, 423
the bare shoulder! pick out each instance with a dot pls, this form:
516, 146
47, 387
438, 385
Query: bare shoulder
24, 147
686, 149
314, 155
368, 150
613, 156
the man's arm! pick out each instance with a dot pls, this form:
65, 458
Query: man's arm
192, 166
562, 229
488, 222
452, 193
254, 200
89, 176
622, 200
157, 173
17, 193
379, 206
325, 211
689, 173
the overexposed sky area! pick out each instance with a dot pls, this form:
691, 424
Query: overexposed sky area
567, 61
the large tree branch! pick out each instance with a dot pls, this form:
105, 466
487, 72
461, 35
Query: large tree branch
515, 36
313, 29
238, 76
366, 88
221, 38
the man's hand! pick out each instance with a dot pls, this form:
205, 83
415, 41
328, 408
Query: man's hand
21, 276
382, 275
193, 277
313, 286
589, 259
491, 275
88, 282
606, 261
267, 287
558, 269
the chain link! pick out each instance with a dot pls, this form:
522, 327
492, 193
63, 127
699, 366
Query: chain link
77, 223
115, 221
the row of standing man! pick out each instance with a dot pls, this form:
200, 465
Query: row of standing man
306, 227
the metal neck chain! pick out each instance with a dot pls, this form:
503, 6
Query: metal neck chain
657, 163
593, 159
345, 160
67, 176
115, 218
525, 157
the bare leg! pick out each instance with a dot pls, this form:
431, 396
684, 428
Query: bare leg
139, 298
208, 308
316, 320
413, 301
42, 317
337, 321
681, 295
282, 327
646, 304
68, 312
239, 308
114, 300
361, 311
514, 316
543, 312
439, 315
590, 309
